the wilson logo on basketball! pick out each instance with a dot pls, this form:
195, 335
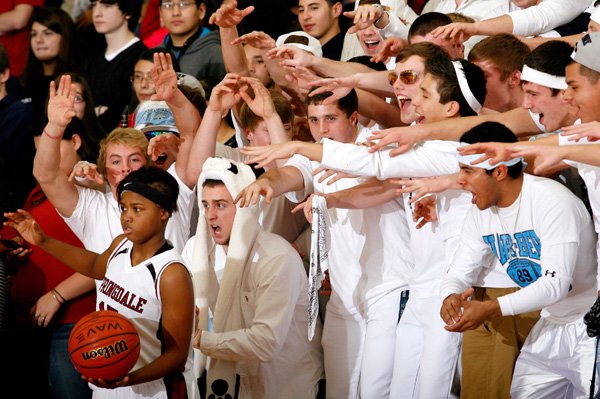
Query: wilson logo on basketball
106, 351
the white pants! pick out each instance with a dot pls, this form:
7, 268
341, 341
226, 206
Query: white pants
359, 352
556, 361
426, 354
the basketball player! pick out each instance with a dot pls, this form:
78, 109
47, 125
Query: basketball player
143, 278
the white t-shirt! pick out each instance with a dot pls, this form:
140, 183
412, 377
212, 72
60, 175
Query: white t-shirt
545, 242
366, 246
96, 220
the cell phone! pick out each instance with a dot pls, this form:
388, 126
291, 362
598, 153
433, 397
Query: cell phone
10, 244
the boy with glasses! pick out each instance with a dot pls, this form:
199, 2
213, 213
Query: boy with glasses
196, 49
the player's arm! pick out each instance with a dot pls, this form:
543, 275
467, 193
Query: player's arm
177, 300
15, 19
365, 195
79, 259
277, 291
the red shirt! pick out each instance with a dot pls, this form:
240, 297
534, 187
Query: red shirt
16, 42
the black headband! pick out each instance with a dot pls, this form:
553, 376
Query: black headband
148, 192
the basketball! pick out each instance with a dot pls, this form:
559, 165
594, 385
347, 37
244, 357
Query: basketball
104, 344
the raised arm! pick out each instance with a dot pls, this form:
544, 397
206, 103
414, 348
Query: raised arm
224, 96
227, 17
46, 166
187, 117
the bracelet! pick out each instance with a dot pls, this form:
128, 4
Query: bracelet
58, 137
57, 295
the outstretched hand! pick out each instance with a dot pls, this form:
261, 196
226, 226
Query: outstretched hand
228, 15
28, 228
264, 155
257, 39
262, 103
400, 136
225, 95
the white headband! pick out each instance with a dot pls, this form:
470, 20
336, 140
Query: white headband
467, 159
464, 87
542, 78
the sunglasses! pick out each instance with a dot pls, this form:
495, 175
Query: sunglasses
407, 77
152, 134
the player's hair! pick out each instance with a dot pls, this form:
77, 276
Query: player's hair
212, 183
493, 132
126, 136
591, 75
158, 179
505, 51
441, 68
552, 58
458, 17
348, 104
427, 22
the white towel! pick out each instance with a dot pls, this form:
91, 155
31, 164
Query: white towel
319, 259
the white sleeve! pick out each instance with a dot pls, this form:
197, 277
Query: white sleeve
394, 28
546, 16
471, 255
304, 165
557, 263
422, 161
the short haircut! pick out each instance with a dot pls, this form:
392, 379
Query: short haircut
552, 58
126, 136
458, 17
249, 120
441, 68
195, 96
212, 183
348, 104
4, 64
158, 179
505, 51
425, 50
591, 75
427, 22
366, 61
493, 132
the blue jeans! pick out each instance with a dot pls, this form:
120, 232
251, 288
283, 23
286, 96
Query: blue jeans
65, 381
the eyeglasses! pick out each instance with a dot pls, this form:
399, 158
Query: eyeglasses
140, 77
407, 77
168, 5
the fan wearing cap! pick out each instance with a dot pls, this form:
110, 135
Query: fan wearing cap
255, 286
141, 276
543, 237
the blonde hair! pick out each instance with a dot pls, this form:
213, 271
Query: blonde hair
126, 136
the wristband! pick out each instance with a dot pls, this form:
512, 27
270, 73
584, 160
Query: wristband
57, 295
58, 137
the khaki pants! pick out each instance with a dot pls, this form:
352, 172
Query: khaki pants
490, 351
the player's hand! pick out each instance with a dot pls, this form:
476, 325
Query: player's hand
492, 151
475, 313
460, 31
425, 211
257, 39
27, 227
163, 149
403, 137
452, 309
86, 171
292, 56
591, 130
262, 103
390, 47
44, 310
225, 95
165, 78
264, 155
60, 109
332, 175
363, 17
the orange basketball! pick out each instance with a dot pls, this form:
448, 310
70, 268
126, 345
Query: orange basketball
104, 344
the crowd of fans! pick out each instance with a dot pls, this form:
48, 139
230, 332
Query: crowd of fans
303, 198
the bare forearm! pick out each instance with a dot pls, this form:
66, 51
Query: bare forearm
337, 69
494, 26
204, 144
15, 19
78, 259
233, 55
74, 286
377, 109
